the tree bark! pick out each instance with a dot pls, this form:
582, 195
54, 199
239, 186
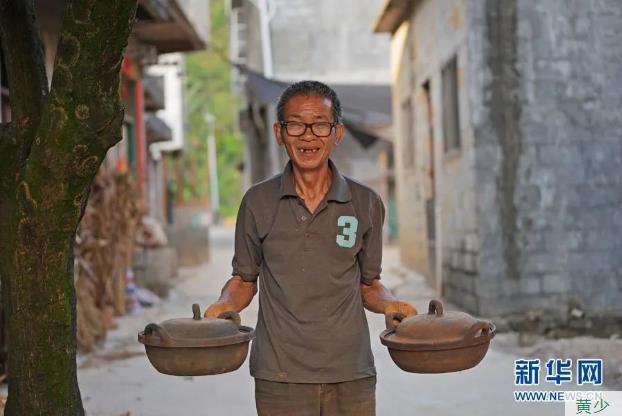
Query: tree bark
51, 152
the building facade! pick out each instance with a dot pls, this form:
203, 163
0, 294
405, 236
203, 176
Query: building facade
508, 169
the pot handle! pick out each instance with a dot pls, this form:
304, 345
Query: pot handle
435, 308
232, 316
156, 329
485, 327
393, 319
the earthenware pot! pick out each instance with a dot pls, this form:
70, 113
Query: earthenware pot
437, 342
197, 346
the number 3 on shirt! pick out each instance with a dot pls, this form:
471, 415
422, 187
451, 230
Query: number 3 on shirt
347, 238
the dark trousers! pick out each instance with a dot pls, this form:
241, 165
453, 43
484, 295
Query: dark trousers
357, 397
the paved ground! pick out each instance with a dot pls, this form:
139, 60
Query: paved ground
118, 380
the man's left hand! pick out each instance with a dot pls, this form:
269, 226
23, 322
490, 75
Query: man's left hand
404, 308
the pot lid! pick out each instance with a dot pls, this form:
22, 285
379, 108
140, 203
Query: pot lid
436, 330
197, 331
198, 327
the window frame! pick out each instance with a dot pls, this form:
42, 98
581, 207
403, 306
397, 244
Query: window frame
450, 95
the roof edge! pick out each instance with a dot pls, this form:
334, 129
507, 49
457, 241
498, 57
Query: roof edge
393, 14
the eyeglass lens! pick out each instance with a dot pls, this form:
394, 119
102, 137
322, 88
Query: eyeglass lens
295, 128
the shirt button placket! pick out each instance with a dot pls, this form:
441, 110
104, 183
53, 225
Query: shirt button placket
303, 218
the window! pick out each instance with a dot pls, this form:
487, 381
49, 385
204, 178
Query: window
408, 139
451, 115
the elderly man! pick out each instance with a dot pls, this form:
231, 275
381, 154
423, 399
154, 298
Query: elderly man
313, 240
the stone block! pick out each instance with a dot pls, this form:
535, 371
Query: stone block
487, 287
465, 301
570, 240
530, 285
556, 283
471, 266
456, 259
522, 286
508, 305
529, 197
534, 243
543, 176
491, 264
548, 197
554, 154
471, 242
191, 243
154, 269
600, 239
586, 262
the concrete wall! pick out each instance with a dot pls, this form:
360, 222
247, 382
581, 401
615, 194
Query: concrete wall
529, 209
545, 98
436, 32
410, 205
252, 37
329, 41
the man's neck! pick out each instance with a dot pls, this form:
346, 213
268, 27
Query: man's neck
312, 185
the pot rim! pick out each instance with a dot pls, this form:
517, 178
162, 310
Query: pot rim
470, 339
151, 337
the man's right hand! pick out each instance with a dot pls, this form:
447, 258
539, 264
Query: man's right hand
217, 308
235, 296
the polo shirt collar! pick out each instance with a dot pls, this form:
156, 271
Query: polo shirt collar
339, 189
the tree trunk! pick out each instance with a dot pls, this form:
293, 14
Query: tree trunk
49, 155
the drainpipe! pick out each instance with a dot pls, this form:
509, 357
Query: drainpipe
212, 166
266, 13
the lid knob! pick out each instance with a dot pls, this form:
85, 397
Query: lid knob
435, 308
196, 311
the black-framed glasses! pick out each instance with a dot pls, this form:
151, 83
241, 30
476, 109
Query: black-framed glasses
298, 128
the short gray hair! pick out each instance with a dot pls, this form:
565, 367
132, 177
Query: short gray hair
309, 88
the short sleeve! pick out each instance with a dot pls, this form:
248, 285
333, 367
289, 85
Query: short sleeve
247, 257
370, 255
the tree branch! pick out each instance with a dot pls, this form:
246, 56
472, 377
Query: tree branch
83, 116
88, 68
25, 64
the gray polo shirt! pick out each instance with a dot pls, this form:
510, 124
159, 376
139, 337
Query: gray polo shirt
311, 326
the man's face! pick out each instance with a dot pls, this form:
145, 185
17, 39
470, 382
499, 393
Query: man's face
308, 151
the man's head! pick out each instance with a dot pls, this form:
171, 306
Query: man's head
309, 123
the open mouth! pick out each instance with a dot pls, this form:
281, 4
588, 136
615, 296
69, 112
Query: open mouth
309, 150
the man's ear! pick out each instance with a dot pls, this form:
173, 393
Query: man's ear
277, 133
339, 131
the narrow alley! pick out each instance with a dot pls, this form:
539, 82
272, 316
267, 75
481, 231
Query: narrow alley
117, 379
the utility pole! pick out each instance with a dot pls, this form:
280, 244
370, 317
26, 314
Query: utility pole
213, 169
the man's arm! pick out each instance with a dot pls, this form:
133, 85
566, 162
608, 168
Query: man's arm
236, 295
377, 298
238, 292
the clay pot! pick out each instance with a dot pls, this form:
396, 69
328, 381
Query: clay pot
197, 346
438, 342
